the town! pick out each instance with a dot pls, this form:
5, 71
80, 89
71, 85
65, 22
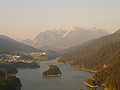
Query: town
26, 57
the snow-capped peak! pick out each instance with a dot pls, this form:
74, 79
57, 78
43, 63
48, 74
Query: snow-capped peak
71, 28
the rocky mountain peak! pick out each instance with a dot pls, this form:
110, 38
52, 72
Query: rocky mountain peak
66, 37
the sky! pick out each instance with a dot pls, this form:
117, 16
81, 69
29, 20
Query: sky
21, 19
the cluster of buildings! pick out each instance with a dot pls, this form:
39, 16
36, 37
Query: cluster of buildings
7, 57
15, 58
36, 55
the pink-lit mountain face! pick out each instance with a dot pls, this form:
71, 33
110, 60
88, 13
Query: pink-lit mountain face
65, 38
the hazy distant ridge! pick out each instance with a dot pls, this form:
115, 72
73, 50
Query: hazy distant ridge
65, 38
8, 45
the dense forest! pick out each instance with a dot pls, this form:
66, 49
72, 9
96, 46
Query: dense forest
7, 70
101, 55
10, 83
110, 76
7, 80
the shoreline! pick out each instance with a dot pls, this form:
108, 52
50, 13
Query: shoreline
90, 85
61, 63
76, 66
52, 75
92, 71
88, 70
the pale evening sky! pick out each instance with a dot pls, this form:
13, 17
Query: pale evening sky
23, 19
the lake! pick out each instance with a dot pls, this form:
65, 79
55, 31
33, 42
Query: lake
72, 79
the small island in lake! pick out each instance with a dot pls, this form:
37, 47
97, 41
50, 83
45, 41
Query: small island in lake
53, 71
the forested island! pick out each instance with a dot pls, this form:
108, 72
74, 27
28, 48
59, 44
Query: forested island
53, 71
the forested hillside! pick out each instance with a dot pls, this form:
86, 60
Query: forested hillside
89, 50
110, 76
101, 55
98, 58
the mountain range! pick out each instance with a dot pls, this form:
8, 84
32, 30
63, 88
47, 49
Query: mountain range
64, 38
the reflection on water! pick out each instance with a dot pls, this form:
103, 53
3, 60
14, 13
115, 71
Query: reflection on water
72, 78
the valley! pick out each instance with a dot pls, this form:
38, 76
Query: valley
59, 44
94, 57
